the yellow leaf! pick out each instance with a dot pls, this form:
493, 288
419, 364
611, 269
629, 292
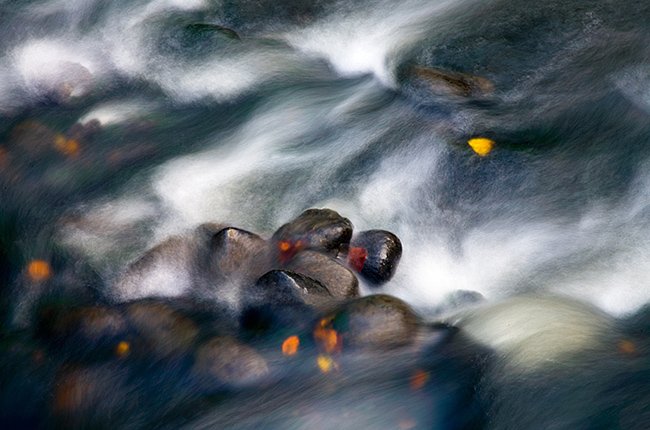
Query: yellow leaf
122, 349
325, 363
481, 145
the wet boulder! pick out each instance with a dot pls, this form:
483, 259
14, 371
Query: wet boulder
25, 379
165, 271
375, 254
237, 253
280, 300
186, 36
90, 331
224, 362
84, 132
446, 82
31, 138
96, 396
322, 230
199, 263
283, 287
339, 280
161, 330
374, 322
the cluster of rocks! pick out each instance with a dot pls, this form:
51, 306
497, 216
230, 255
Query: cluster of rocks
309, 264
299, 303
300, 340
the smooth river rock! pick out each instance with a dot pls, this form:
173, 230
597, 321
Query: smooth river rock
164, 331
447, 82
284, 287
224, 361
322, 230
339, 280
374, 322
375, 254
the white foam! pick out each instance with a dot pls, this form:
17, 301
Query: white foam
363, 42
210, 185
123, 43
489, 261
57, 65
117, 112
225, 78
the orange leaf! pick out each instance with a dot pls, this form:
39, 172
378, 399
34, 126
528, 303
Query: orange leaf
290, 345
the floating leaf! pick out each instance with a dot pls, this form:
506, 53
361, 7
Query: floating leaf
290, 346
481, 145
39, 270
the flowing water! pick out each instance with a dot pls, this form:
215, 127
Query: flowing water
156, 123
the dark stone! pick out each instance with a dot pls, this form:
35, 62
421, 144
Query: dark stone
375, 255
84, 132
163, 331
272, 322
201, 27
284, 287
197, 263
236, 253
339, 280
25, 377
205, 231
282, 300
374, 322
93, 331
164, 270
453, 83
224, 362
97, 396
322, 230
31, 138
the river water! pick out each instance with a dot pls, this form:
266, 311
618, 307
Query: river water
163, 124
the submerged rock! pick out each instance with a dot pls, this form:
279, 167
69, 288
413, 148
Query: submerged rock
322, 230
453, 83
224, 361
31, 138
338, 280
374, 322
90, 330
197, 263
163, 331
84, 132
232, 251
202, 27
529, 332
281, 300
164, 270
375, 254
92, 396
